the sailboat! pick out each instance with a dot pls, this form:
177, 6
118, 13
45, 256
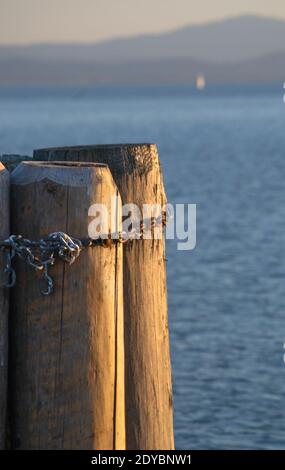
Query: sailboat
200, 82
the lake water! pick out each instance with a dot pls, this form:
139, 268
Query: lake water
223, 149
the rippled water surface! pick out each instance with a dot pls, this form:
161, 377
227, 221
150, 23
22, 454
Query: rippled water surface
223, 149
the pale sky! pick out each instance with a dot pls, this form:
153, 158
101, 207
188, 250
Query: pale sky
32, 21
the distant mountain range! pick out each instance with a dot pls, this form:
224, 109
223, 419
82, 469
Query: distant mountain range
247, 48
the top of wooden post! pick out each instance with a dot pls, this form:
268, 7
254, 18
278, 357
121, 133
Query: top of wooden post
132, 165
66, 173
128, 157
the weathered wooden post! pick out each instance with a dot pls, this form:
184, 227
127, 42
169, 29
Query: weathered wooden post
12, 161
4, 233
149, 409
66, 362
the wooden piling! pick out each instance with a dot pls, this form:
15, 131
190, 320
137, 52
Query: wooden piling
67, 358
149, 408
4, 233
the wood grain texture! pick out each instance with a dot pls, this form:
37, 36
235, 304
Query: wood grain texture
64, 370
12, 161
149, 405
4, 303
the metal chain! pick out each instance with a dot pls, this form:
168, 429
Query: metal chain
39, 255
42, 254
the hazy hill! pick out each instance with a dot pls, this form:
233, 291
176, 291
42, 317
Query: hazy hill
243, 48
266, 69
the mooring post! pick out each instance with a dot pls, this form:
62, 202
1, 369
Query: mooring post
4, 303
67, 357
12, 161
149, 409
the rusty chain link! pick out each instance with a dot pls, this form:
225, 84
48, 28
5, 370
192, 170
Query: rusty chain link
42, 254
39, 255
